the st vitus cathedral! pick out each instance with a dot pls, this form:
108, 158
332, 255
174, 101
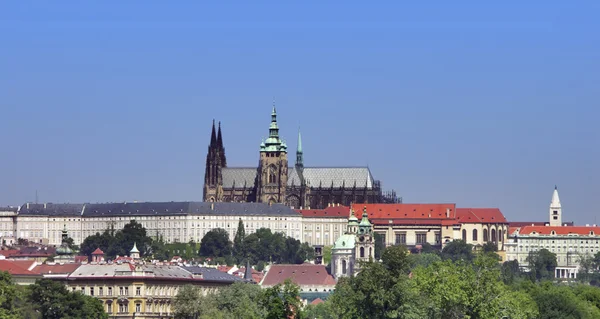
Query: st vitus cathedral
274, 181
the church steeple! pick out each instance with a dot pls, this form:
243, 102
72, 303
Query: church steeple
299, 154
555, 209
273, 143
213, 137
221, 148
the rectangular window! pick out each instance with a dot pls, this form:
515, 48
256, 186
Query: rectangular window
421, 238
100, 291
91, 291
138, 307
110, 291
138, 291
400, 238
438, 238
121, 290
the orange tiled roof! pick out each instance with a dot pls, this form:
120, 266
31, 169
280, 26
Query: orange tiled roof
55, 269
559, 230
480, 215
332, 211
302, 275
98, 251
409, 211
15, 267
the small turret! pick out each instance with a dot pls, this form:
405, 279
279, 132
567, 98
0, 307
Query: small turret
134, 253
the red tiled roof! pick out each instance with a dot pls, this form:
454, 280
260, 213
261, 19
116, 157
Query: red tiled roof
413, 221
80, 259
98, 251
303, 275
480, 215
409, 211
15, 267
257, 276
8, 252
332, 211
316, 301
55, 269
559, 230
521, 224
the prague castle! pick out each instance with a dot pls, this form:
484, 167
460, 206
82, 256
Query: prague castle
275, 181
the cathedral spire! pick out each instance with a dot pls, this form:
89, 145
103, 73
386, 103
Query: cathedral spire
221, 148
555, 209
213, 136
219, 137
299, 154
274, 143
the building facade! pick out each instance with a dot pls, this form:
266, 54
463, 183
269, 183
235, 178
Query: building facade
568, 243
174, 221
275, 181
142, 291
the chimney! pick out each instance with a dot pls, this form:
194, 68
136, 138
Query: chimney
447, 212
212, 206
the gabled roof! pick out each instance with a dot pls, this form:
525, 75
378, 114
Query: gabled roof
17, 268
407, 211
559, 230
302, 275
98, 251
55, 268
330, 212
480, 215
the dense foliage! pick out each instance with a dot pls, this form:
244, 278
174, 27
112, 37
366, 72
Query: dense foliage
240, 300
120, 242
46, 299
263, 246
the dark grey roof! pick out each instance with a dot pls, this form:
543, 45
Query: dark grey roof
9, 209
338, 176
136, 209
50, 209
255, 209
239, 175
212, 274
326, 176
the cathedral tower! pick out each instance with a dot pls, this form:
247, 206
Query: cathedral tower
365, 245
555, 209
215, 162
272, 172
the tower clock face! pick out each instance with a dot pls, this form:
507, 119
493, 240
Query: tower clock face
362, 238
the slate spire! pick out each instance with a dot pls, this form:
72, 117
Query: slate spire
299, 153
213, 136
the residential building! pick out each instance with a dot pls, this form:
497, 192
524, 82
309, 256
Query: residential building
314, 280
324, 226
142, 291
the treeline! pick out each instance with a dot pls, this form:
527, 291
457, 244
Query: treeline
456, 282
46, 299
239, 300
258, 248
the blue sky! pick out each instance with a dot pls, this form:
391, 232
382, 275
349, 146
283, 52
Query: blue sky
479, 104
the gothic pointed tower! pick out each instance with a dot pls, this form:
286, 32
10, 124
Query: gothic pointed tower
273, 166
299, 153
555, 209
215, 161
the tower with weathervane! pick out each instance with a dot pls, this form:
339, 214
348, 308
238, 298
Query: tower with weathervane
272, 172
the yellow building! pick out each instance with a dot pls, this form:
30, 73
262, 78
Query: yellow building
142, 291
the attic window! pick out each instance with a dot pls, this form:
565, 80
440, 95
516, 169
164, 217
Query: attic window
591, 233
553, 233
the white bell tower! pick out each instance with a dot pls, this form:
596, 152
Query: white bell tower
555, 209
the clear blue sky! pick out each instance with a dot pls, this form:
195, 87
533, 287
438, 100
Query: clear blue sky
479, 104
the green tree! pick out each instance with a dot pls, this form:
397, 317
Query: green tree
326, 255
215, 243
423, 259
541, 264
510, 271
239, 250
458, 250
379, 245
282, 301
320, 311
56, 302
489, 247
187, 302
560, 302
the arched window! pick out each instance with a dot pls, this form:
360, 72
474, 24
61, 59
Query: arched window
370, 252
500, 236
474, 234
343, 266
362, 252
494, 238
464, 235
272, 174
485, 235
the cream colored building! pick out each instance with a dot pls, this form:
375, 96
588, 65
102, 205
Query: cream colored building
482, 225
568, 243
142, 291
174, 221
324, 226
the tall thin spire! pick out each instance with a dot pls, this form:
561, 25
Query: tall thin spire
219, 137
213, 136
299, 154
555, 199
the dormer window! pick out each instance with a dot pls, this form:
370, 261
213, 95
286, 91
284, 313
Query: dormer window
552, 233
591, 233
